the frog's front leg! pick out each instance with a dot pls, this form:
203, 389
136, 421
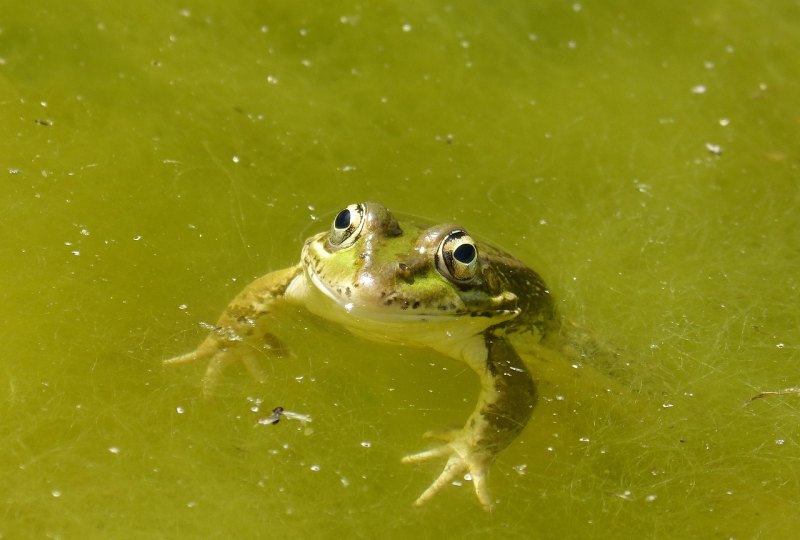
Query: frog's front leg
232, 338
505, 404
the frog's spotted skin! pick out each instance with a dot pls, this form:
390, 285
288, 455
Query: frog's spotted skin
417, 286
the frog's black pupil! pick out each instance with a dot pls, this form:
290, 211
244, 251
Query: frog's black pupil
342, 220
464, 253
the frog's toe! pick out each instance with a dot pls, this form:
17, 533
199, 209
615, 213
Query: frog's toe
428, 454
273, 346
461, 460
182, 359
213, 374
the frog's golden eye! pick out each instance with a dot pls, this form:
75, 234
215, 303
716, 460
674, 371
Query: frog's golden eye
457, 257
347, 226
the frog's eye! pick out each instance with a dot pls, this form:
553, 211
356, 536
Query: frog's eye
457, 257
347, 226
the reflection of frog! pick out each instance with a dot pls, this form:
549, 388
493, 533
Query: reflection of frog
403, 283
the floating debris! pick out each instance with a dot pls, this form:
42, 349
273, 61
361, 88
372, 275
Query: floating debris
274, 418
279, 412
768, 393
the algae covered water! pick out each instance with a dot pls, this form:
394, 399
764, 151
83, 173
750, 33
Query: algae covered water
154, 159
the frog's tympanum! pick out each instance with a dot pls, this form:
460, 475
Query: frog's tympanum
411, 285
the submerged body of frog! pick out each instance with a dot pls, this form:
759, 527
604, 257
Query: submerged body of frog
419, 286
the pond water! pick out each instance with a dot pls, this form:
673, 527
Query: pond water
155, 158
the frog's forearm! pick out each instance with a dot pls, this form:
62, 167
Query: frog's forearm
257, 300
507, 397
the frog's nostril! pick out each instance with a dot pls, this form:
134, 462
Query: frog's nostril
405, 272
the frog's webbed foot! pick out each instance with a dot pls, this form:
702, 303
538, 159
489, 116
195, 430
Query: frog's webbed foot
218, 360
462, 457
221, 354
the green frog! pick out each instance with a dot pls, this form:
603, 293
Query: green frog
412, 285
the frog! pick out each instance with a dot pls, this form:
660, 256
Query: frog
415, 285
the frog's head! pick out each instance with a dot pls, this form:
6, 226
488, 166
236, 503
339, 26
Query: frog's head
377, 268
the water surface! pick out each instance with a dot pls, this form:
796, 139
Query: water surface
155, 158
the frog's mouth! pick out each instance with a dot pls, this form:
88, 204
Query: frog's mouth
323, 287
348, 299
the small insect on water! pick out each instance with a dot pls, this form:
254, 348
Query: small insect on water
273, 418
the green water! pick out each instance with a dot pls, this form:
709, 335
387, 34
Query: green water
643, 156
